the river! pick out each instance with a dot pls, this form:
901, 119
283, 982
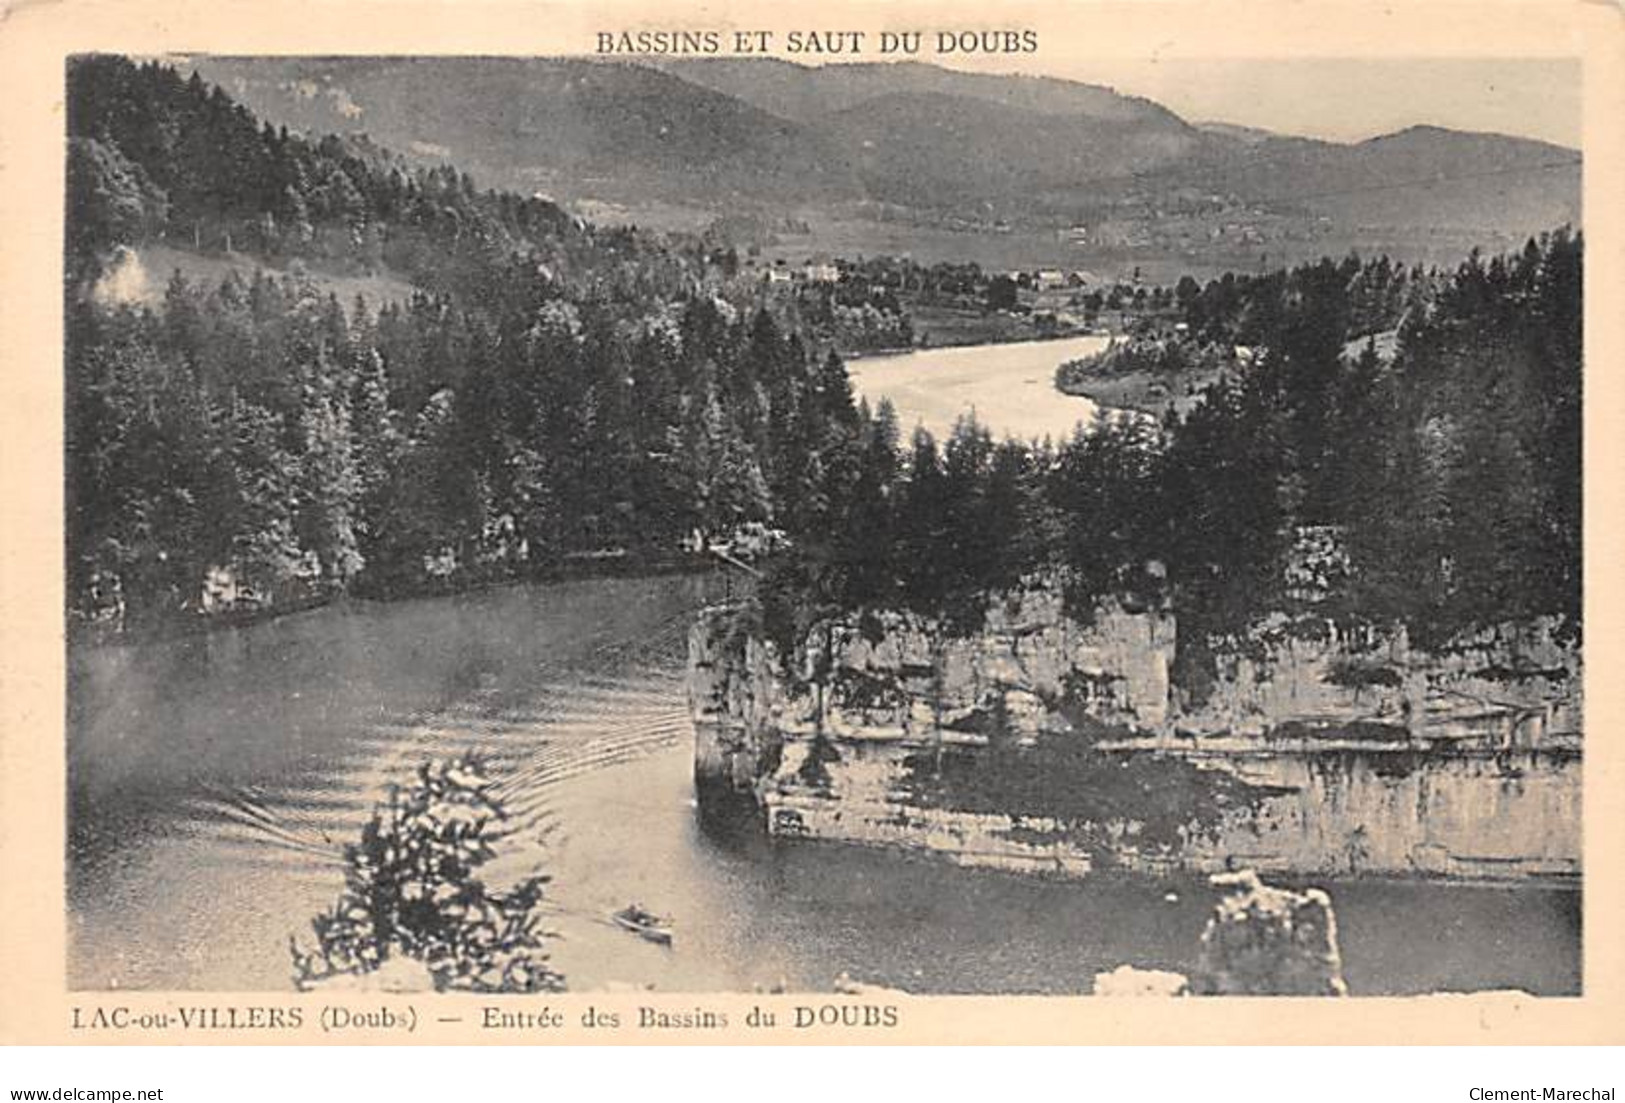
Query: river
1010, 388
216, 778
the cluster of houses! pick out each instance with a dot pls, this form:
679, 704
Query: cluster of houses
813, 271
1056, 279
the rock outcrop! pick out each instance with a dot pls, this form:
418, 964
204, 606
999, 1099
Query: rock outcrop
1260, 941
1267, 941
1127, 980
1043, 743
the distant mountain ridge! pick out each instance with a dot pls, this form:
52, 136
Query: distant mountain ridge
930, 148
549, 123
807, 93
1422, 175
922, 141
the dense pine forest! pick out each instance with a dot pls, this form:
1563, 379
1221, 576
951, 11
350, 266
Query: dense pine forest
1436, 486
552, 389
557, 393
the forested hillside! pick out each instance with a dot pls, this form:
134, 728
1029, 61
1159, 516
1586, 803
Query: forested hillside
553, 390
558, 392
1439, 488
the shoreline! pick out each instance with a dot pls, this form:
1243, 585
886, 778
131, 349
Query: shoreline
1026, 339
80, 634
1143, 392
984, 340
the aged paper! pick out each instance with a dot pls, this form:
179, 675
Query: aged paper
471, 573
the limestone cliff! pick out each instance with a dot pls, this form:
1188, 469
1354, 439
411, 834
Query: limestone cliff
1046, 743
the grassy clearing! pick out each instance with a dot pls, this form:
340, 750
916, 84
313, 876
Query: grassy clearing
160, 262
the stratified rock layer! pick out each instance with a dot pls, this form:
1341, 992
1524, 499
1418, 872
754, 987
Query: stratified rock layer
1046, 744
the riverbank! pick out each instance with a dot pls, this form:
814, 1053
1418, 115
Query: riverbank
948, 327
1145, 392
1150, 375
619, 564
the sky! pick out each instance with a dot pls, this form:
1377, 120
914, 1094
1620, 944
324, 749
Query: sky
1350, 99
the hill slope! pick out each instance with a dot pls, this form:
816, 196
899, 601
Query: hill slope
1422, 176
931, 146
914, 148
808, 94
557, 125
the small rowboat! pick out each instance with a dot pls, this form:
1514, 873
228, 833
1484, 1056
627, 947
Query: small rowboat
643, 923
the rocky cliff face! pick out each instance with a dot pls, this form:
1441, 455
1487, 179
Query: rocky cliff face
1512, 685
1045, 743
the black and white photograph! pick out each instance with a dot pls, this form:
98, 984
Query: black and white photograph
960, 520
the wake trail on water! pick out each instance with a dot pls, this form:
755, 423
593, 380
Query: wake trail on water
616, 702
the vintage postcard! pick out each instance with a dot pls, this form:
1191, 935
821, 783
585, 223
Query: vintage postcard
587, 523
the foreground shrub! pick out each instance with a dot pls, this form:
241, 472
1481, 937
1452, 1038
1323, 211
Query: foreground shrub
411, 891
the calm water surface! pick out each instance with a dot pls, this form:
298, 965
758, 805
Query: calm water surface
1010, 388
216, 778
